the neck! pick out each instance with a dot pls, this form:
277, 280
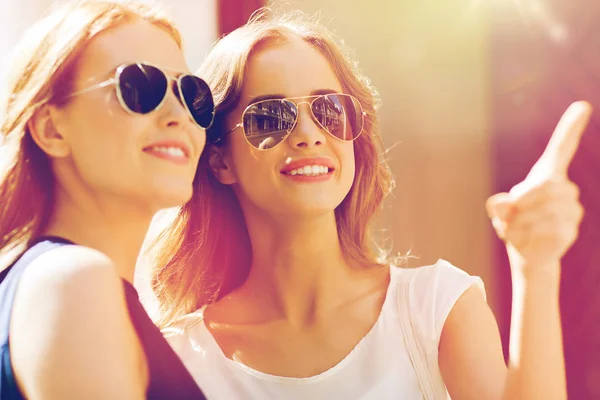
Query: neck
298, 266
111, 227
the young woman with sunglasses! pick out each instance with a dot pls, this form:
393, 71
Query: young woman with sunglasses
274, 247
102, 125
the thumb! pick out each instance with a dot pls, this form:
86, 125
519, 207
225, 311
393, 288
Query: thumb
500, 206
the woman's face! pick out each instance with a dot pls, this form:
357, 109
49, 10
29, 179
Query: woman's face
289, 178
150, 158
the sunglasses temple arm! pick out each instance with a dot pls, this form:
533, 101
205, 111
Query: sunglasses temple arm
228, 132
94, 87
97, 86
233, 129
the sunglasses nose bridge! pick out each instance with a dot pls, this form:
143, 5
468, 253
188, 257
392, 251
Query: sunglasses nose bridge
174, 85
310, 112
307, 131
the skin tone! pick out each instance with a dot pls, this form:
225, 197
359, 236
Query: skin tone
304, 307
110, 181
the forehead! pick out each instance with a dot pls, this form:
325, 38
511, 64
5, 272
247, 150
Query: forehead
132, 41
293, 68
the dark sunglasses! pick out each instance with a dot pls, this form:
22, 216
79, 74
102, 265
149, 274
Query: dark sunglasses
267, 123
142, 88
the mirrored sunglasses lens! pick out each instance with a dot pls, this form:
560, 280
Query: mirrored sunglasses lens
340, 115
267, 123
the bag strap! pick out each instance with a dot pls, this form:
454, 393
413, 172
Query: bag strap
414, 344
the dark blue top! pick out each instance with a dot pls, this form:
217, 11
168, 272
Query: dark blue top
168, 377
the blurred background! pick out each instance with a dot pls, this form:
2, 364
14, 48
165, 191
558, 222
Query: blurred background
471, 91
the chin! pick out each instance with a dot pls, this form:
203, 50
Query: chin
307, 210
173, 198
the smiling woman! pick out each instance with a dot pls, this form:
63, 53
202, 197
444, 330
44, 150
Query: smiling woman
99, 140
269, 283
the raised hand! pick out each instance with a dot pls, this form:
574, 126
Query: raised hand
539, 218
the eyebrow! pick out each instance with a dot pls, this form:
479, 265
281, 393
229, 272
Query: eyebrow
273, 96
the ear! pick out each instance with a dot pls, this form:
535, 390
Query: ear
44, 128
221, 166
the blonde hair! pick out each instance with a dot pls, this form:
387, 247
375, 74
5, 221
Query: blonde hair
206, 251
41, 73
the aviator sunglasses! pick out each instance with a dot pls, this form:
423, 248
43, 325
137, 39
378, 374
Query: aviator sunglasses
267, 123
142, 88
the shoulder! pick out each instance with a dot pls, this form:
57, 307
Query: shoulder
440, 279
70, 315
70, 283
67, 274
74, 278
69, 263
433, 290
470, 348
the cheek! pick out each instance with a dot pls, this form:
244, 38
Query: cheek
249, 168
107, 147
100, 109
348, 162
199, 138
243, 158
254, 170
103, 157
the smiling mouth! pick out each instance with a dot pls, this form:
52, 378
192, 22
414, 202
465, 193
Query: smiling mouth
309, 170
175, 154
167, 150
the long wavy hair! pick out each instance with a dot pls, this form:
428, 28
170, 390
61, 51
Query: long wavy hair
205, 252
41, 73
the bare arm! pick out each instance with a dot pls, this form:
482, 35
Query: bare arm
536, 357
539, 221
470, 351
471, 358
70, 332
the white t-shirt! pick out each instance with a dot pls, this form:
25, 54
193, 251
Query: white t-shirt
378, 368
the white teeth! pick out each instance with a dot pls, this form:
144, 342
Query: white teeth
310, 170
173, 151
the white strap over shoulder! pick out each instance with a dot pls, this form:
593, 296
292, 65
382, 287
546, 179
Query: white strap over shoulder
432, 389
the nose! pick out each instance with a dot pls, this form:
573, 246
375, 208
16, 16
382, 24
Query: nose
307, 133
173, 112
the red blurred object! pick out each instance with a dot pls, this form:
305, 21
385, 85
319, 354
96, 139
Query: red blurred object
535, 77
234, 13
